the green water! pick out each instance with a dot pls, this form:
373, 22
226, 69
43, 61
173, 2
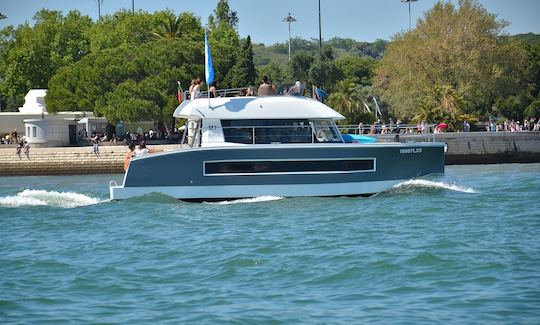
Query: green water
460, 248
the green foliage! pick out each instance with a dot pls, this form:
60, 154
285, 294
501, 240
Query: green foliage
223, 15
533, 110
457, 47
323, 72
529, 38
31, 55
277, 74
244, 73
358, 69
224, 46
127, 83
299, 65
124, 28
442, 103
348, 98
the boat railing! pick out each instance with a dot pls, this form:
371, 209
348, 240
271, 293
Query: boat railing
424, 132
231, 92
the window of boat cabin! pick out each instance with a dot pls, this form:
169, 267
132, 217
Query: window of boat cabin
267, 131
325, 131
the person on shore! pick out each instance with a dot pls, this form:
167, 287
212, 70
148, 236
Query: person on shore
266, 89
129, 155
27, 150
466, 126
95, 141
19, 149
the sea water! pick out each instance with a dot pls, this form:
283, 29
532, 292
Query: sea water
459, 248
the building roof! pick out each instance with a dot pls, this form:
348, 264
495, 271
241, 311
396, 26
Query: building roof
266, 107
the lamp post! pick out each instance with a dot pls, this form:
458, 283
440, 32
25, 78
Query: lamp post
133, 6
409, 2
2, 16
320, 34
289, 19
99, 2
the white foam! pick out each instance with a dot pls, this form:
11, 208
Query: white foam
432, 184
250, 200
51, 198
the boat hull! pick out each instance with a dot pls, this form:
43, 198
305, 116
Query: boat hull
197, 174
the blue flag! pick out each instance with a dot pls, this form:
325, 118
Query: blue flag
208, 66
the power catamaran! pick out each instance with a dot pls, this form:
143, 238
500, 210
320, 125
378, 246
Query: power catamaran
239, 147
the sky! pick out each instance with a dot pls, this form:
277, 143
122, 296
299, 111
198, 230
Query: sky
361, 20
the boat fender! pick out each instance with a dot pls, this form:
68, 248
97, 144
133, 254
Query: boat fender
445, 147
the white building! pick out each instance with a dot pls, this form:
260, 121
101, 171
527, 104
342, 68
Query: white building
41, 128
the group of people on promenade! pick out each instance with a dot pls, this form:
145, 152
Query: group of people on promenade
11, 138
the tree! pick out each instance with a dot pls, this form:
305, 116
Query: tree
32, 55
127, 83
223, 15
358, 69
243, 73
456, 47
348, 98
441, 104
299, 65
186, 25
323, 72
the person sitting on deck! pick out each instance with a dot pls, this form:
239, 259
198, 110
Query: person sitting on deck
129, 155
213, 89
266, 89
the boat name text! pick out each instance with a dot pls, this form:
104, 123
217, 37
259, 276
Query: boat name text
410, 150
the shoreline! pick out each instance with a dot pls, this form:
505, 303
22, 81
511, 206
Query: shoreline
463, 149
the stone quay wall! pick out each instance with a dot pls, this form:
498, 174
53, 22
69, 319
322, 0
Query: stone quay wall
485, 147
66, 160
463, 148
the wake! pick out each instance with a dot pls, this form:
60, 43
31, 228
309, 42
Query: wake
249, 200
48, 198
432, 184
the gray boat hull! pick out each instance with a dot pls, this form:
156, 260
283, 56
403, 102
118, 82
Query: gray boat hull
186, 173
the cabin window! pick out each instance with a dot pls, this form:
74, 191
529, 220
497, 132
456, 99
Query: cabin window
288, 166
270, 131
325, 131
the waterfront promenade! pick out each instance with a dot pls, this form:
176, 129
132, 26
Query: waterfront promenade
463, 148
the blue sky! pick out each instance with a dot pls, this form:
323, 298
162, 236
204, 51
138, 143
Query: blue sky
362, 20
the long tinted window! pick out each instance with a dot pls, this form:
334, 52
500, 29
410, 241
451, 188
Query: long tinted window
267, 131
288, 166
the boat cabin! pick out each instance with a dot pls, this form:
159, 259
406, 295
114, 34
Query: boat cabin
258, 120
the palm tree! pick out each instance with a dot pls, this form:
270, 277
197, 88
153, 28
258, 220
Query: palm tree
441, 103
346, 98
169, 28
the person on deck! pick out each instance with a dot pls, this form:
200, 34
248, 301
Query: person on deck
129, 155
266, 89
213, 89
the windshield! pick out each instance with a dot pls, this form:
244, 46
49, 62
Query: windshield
325, 131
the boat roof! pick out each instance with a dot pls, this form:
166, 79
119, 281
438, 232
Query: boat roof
249, 107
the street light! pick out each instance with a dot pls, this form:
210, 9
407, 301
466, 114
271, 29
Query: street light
2, 16
289, 19
409, 2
